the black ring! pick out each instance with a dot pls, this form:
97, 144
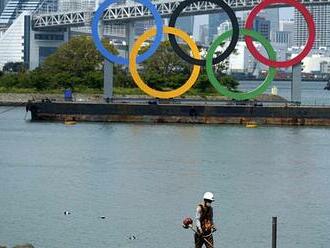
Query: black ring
222, 56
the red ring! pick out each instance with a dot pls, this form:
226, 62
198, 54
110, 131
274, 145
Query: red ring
309, 45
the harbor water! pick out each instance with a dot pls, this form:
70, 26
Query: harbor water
312, 92
144, 179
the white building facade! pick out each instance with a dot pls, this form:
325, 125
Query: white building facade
321, 15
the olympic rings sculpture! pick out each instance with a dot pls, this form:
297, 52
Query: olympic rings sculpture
195, 59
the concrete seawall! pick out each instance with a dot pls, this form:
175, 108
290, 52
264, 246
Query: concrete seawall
180, 113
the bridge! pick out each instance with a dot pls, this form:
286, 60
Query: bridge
135, 11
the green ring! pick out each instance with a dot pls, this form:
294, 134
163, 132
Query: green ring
240, 95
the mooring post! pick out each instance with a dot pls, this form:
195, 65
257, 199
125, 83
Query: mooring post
274, 232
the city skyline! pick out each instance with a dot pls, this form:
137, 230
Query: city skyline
284, 14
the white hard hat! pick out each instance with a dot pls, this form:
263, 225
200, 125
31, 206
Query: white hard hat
208, 196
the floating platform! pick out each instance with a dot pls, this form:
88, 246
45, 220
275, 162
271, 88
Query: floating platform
181, 112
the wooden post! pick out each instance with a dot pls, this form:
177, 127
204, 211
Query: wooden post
274, 232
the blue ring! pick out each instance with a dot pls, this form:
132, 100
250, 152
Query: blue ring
118, 59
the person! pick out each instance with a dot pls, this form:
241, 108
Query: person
204, 222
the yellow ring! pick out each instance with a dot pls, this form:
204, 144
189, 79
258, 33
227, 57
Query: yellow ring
156, 93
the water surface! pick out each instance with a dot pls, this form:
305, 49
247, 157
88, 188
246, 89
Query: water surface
311, 92
146, 178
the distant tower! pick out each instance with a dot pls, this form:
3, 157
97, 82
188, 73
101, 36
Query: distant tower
186, 23
273, 16
214, 21
226, 25
285, 33
262, 26
203, 34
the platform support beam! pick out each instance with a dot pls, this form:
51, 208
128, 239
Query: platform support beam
296, 83
108, 81
130, 37
107, 72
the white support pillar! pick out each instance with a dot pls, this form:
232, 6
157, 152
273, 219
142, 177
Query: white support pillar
107, 72
296, 83
130, 37
101, 29
108, 81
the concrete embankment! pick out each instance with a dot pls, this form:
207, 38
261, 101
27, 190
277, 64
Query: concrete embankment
203, 113
18, 99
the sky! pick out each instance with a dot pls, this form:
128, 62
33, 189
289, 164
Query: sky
286, 13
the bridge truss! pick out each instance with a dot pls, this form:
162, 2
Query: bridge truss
135, 11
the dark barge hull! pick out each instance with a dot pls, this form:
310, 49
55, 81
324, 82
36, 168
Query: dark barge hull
180, 113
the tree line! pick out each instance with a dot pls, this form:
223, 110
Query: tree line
78, 65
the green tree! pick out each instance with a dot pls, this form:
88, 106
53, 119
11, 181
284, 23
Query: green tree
77, 64
14, 67
164, 69
9, 81
77, 56
219, 70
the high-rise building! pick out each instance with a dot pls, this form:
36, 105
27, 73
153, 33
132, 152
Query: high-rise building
262, 26
214, 21
2, 5
284, 37
286, 25
67, 5
273, 16
321, 17
13, 8
186, 23
203, 34
141, 26
285, 33
226, 25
